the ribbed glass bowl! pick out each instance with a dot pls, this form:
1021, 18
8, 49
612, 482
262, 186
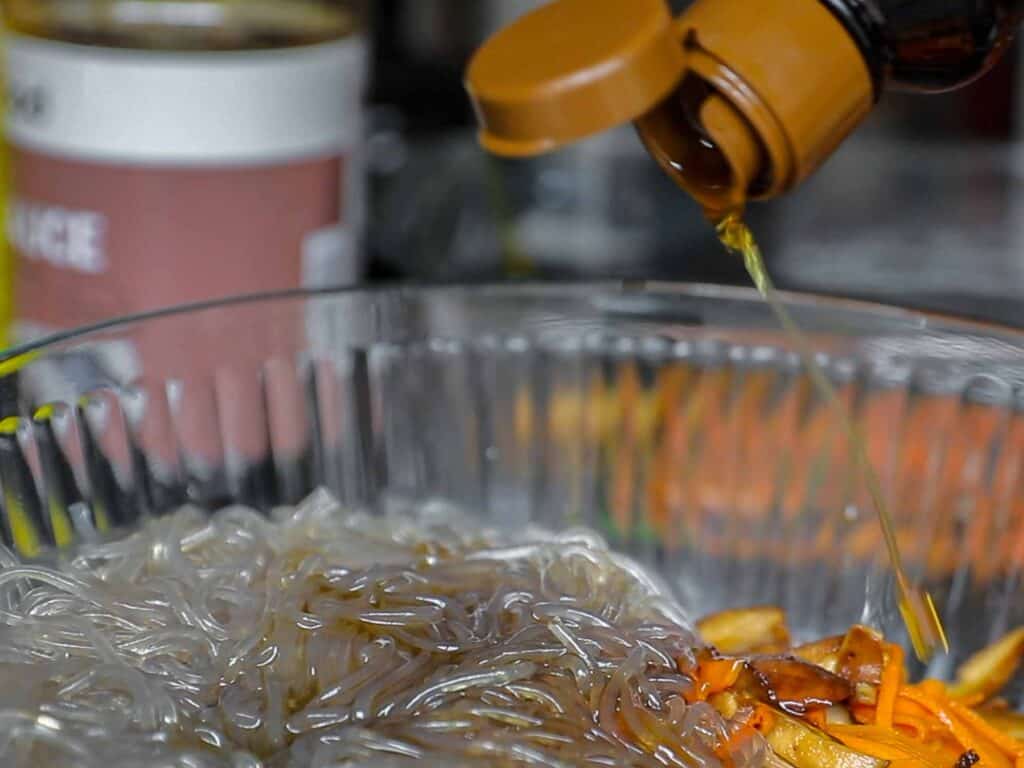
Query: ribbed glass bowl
674, 420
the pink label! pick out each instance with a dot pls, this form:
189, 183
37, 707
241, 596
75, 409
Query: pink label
95, 240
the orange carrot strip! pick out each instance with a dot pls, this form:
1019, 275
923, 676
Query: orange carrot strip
715, 676
762, 719
730, 746
863, 713
907, 708
1004, 741
919, 727
892, 675
817, 718
911, 716
991, 756
934, 689
886, 744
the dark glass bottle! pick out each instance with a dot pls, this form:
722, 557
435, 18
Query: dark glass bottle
929, 45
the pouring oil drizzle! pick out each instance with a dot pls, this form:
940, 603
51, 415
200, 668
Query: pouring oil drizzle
916, 605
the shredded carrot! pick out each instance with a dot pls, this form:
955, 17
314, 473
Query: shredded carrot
933, 689
910, 716
991, 756
923, 726
906, 708
715, 676
1005, 742
863, 713
817, 718
886, 744
892, 676
763, 718
918, 726
730, 746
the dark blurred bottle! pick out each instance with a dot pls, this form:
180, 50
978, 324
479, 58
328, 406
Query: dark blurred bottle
166, 152
927, 45
930, 45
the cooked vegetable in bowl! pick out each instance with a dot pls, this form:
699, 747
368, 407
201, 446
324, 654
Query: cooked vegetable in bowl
325, 637
846, 701
164, 602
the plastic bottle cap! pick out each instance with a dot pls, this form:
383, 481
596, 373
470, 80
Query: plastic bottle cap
790, 68
572, 69
736, 99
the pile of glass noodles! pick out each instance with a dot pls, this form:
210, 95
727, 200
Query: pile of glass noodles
323, 638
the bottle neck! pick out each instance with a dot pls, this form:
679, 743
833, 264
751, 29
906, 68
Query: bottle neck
928, 45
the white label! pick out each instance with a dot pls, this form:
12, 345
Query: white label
68, 239
184, 108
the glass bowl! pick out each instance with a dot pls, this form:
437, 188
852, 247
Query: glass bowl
675, 420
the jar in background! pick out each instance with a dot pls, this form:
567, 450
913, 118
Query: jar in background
175, 151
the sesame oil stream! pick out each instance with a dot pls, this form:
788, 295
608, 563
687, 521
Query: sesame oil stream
917, 608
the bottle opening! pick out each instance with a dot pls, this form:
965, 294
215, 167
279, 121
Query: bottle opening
706, 146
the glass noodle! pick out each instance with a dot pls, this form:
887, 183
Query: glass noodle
327, 638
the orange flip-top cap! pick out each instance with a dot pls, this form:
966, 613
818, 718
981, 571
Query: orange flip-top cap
572, 69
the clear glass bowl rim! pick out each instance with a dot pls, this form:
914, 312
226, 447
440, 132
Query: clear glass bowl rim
923, 320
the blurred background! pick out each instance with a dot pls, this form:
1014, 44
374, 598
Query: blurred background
922, 208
